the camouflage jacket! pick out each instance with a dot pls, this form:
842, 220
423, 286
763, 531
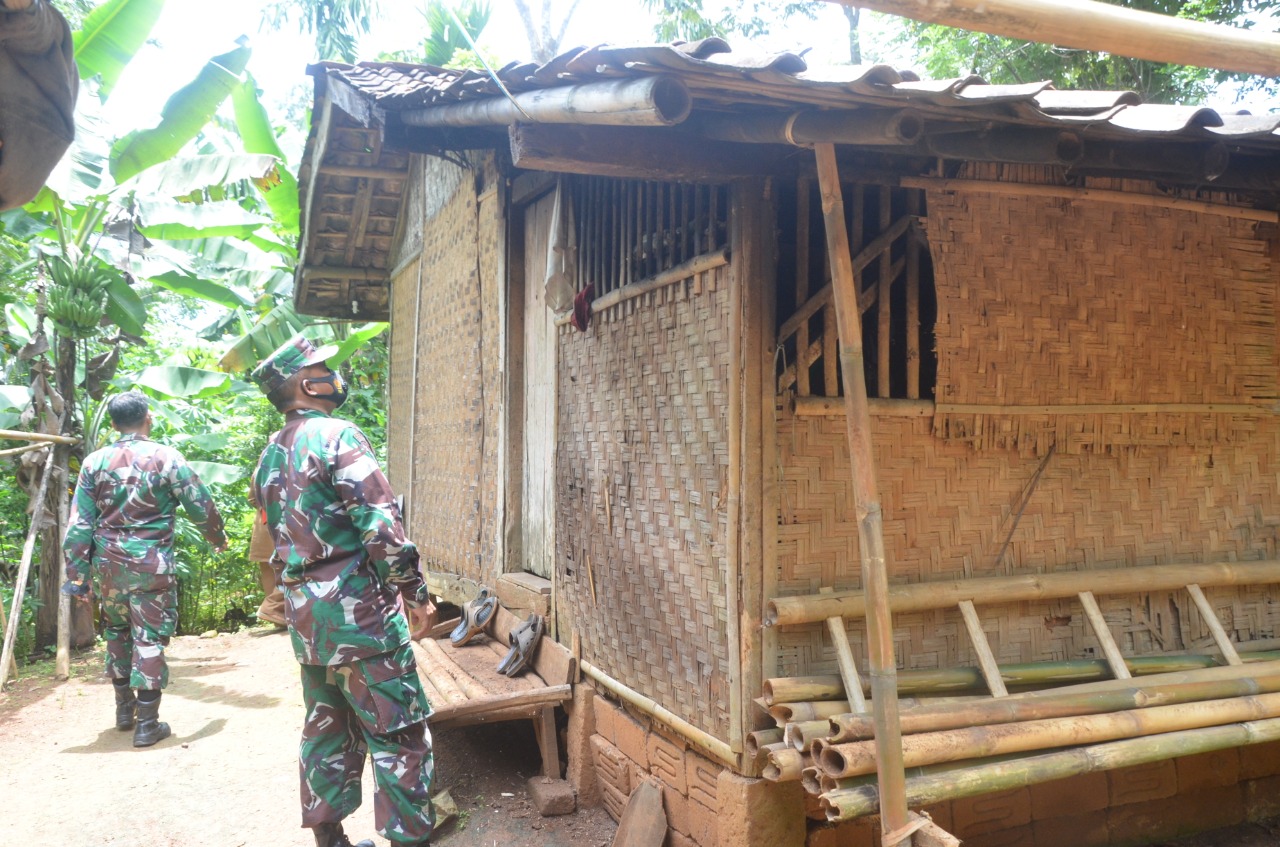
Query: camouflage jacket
337, 531
124, 506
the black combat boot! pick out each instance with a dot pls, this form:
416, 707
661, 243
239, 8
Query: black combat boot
331, 835
125, 703
150, 729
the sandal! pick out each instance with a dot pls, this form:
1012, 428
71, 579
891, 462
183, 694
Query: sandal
476, 615
524, 641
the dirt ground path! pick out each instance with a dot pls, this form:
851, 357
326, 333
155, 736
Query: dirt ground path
228, 775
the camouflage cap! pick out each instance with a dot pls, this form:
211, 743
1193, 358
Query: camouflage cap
292, 356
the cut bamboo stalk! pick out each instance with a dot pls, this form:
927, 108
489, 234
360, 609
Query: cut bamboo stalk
1210, 618
811, 710
986, 660
762, 756
1100, 28
846, 804
799, 689
761, 738
62, 658
434, 697
811, 780
875, 580
858, 757
1103, 633
42, 437
785, 765
1060, 703
801, 734
1097, 195
24, 568
925, 596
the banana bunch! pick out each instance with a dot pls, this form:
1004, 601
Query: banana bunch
77, 297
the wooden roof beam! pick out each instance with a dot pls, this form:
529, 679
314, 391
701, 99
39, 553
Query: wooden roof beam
1090, 25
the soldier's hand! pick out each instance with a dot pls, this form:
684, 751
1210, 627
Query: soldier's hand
78, 589
421, 620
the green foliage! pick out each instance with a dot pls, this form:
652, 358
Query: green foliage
336, 24
443, 44
947, 52
110, 35
687, 20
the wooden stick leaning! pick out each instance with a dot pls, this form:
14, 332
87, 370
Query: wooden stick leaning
24, 568
858, 757
43, 437
982, 778
1052, 704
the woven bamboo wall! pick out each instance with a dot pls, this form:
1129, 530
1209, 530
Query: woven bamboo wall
457, 355
1053, 302
404, 301
642, 462
1048, 303
948, 508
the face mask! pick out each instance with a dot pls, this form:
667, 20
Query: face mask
337, 396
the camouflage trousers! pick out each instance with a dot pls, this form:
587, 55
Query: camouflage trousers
375, 706
139, 616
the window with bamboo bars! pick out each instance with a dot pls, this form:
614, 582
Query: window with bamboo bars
896, 295
632, 230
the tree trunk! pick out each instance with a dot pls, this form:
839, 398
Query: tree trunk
51, 568
852, 14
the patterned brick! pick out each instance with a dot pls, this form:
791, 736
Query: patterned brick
701, 776
606, 715
1258, 760
677, 808
1207, 770
632, 739
612, 768
1069, 797
666, 761
1172, 817
1142, 783
756, 813
704, 824
614, 801
1019, 836
973, 816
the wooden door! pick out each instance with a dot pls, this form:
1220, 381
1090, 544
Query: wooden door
538, 506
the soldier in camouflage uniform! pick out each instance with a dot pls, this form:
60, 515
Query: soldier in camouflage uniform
347, 569
121, 530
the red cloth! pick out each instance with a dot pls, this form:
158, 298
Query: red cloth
582, 308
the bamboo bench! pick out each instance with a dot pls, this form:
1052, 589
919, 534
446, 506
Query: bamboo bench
465, 688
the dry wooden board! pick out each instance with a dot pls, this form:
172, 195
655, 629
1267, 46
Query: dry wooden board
481, 662
643, 823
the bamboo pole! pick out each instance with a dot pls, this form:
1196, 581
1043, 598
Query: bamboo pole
925, 596
12, 664
913, 301
883, 666
62, 659
1100, 28
846, 804
801, 734
977, 742
758, 739
810, 710
18, 435
659, 100
1024, 675
1215, 626
18, 451
1097, 195
697, 737
1059, 703
443, 662
986, 659
24, 568
884, 280
1103, 633
785, 764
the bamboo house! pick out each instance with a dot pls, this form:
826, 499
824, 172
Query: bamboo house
874, 445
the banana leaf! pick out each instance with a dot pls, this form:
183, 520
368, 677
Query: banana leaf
181, 381
271, 330
188, 175
204, 289
355, 339
125, 308
20, 322
259, 137
166, 220
217, 473
182, 118
110, 36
